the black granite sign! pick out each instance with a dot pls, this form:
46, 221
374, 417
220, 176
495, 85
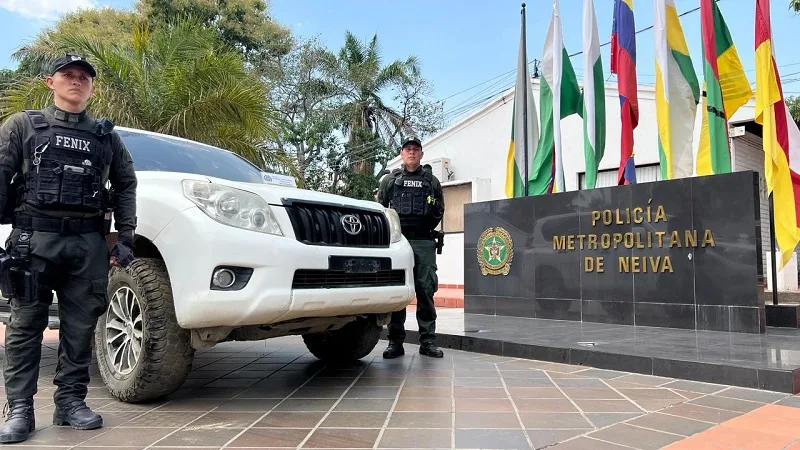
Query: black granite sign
679, 254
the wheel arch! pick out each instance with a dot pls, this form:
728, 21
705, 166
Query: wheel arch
143, 247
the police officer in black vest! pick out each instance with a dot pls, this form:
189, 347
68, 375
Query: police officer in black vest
54, 165
415, 193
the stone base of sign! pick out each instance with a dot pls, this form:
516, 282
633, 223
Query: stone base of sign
783, 315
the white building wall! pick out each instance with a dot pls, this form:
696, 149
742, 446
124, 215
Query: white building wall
450, 264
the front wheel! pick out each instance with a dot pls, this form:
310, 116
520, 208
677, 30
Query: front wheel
351, 342
142, 352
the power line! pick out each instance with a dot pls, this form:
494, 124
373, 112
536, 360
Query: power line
642, 30
535, 61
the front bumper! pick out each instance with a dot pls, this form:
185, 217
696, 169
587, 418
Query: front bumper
193, 245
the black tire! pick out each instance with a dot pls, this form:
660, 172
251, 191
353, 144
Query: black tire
349, 343
166, 353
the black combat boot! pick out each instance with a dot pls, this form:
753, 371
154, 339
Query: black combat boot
20, 421
394, 350
76, 414
430, 349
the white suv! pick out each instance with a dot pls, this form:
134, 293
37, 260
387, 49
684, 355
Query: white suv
225, 252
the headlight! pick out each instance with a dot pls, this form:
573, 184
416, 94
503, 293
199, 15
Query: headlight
231, 206
394, 225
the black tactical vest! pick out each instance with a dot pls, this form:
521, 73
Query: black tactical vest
412, 196
64, 168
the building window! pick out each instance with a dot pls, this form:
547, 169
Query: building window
645, 173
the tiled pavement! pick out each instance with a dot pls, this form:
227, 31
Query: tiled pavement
274, 394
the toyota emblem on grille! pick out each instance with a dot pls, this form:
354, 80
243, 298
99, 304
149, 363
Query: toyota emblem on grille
351, 224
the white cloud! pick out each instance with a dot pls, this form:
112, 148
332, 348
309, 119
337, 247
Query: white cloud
44, 9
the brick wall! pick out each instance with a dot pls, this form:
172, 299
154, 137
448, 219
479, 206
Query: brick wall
448, 296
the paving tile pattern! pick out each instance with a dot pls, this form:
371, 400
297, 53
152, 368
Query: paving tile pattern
274, 394
769, 361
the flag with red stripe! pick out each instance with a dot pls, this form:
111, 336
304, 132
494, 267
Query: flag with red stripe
623, 64
781, 138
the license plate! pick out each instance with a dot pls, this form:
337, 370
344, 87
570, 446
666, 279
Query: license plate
355, 264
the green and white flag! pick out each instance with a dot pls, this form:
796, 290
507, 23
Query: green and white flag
559, 97
594, 96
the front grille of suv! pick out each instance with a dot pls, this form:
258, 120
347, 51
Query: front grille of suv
321, 224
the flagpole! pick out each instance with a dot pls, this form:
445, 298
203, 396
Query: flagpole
772, 253
525, 103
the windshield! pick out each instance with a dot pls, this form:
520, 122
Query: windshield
160, 153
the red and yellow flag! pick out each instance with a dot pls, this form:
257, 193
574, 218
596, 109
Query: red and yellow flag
781, 139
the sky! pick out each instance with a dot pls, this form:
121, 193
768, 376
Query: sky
467, 49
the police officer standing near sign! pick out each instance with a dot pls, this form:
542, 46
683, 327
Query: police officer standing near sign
60, 159
414, 192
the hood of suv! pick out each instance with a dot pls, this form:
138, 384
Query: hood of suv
277, 195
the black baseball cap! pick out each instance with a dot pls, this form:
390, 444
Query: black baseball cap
411, 140
71, 59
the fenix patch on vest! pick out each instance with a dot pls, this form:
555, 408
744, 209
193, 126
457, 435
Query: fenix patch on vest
72, 143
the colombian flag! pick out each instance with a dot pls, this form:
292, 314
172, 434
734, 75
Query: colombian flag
781, 138
623, 64
519, 157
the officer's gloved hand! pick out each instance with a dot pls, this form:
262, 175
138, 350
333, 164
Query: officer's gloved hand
122, 253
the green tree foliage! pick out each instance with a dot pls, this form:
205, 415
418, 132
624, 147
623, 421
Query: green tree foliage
346, 179
362, 77
794, 107
305, 100
177, 79
7, 78
112, 26
227, 74
320, 95
244, 25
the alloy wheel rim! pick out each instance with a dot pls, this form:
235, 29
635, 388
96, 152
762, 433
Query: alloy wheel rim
124, 331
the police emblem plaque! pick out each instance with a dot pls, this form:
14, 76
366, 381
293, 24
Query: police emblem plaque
495, 251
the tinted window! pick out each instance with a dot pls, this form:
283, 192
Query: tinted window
159, 153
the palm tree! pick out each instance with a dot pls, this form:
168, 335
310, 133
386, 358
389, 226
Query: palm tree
111, 25
364, 114
794, 5
175, 80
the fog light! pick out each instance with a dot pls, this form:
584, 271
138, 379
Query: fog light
223, 278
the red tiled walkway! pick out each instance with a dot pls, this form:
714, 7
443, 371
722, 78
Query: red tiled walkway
768, 427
